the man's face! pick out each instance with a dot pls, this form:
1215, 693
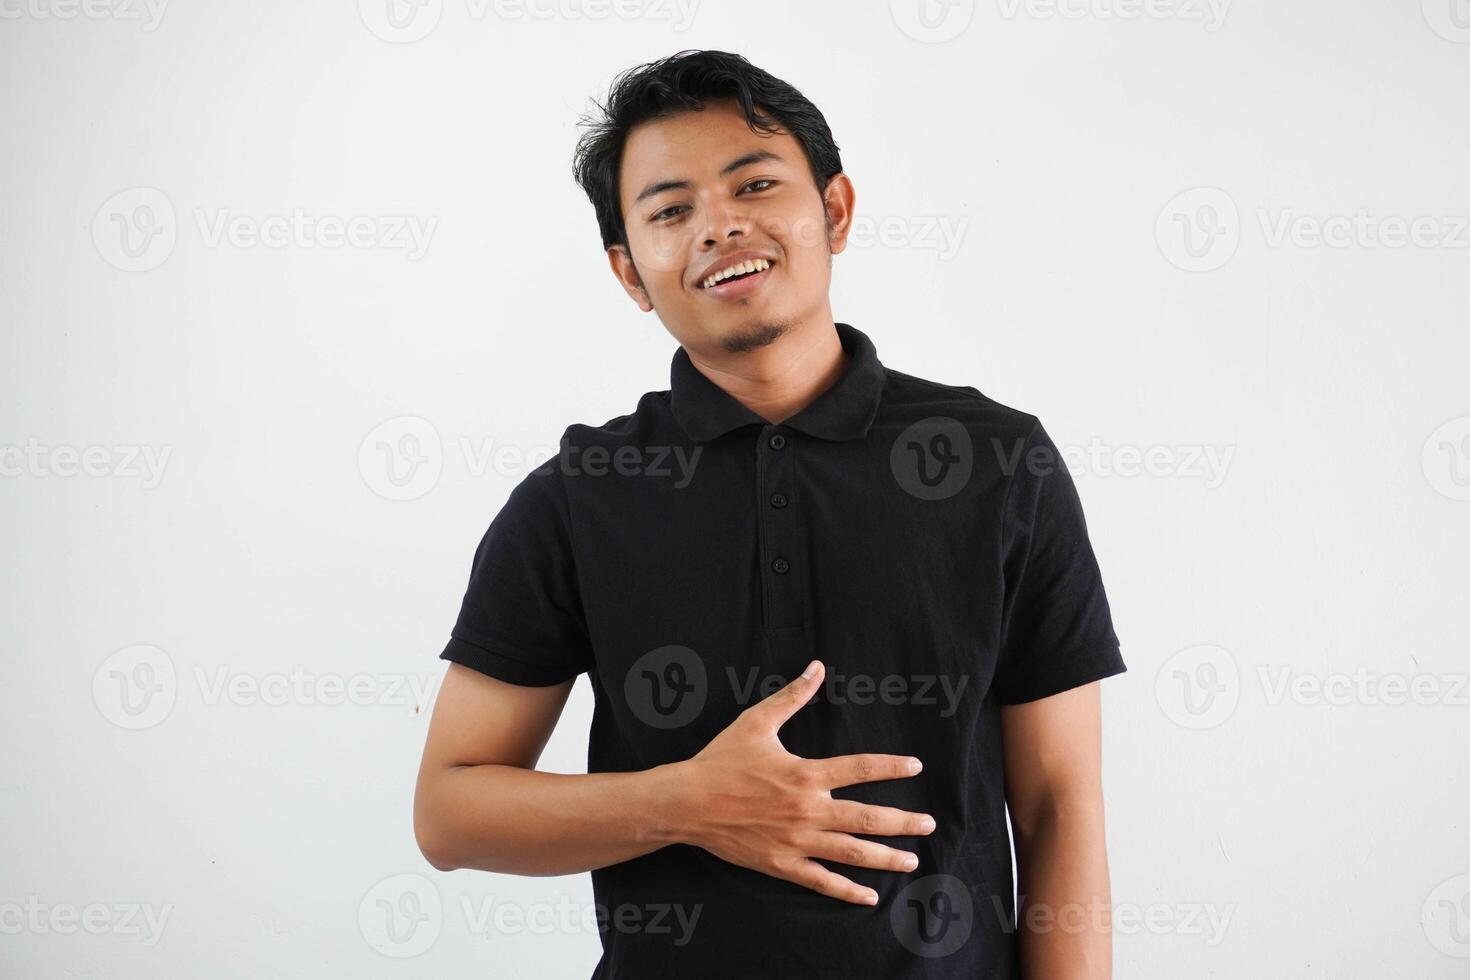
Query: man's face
699, 188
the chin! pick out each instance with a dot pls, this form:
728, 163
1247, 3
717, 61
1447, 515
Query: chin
751, 337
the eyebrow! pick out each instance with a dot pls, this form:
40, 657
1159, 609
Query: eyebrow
658, 187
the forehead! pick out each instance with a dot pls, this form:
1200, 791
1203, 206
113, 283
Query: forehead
695, 146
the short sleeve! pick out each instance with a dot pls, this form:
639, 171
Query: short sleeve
521, 619
1056, 626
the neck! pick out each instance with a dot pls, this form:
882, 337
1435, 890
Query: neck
780, 379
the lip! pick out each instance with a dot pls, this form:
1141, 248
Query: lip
736, 288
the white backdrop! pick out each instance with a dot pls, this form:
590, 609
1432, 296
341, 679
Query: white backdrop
1220, 248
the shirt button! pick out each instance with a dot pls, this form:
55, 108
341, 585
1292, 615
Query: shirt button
778, 500
780, 566
778, 441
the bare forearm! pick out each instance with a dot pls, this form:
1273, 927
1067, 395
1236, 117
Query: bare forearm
1064, 914
521, 821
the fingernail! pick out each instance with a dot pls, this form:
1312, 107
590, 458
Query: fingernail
871, 898
915, 766
811, 669
911, 862
926, 824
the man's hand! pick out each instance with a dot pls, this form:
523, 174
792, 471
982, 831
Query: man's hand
746, 800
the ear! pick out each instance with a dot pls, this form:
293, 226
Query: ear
838, 199
623, 267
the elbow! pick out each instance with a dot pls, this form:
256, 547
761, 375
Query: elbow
1043, 831
441, 865
432, 847
1030, 827
430, 837
1029, 812
438, 856
1051, 813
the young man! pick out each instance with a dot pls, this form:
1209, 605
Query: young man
789, 577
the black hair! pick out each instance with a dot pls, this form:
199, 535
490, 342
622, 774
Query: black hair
684, 82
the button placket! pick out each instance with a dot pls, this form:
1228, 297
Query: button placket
781, 577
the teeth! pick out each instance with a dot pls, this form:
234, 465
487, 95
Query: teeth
751, 265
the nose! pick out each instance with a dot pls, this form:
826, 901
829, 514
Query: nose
726, 220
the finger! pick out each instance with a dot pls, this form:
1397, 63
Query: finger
775, 710
861, 853
810, 874
845, 770
853, 817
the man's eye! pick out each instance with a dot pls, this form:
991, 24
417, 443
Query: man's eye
670, 211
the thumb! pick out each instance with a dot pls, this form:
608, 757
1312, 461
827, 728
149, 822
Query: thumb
777, 709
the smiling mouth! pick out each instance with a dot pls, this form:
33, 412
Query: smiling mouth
754, 268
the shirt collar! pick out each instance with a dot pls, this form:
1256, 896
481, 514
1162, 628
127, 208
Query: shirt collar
844, 411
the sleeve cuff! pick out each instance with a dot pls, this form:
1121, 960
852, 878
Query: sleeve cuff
496, 662
1105, 663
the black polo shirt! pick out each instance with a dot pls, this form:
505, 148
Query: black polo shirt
925, 542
